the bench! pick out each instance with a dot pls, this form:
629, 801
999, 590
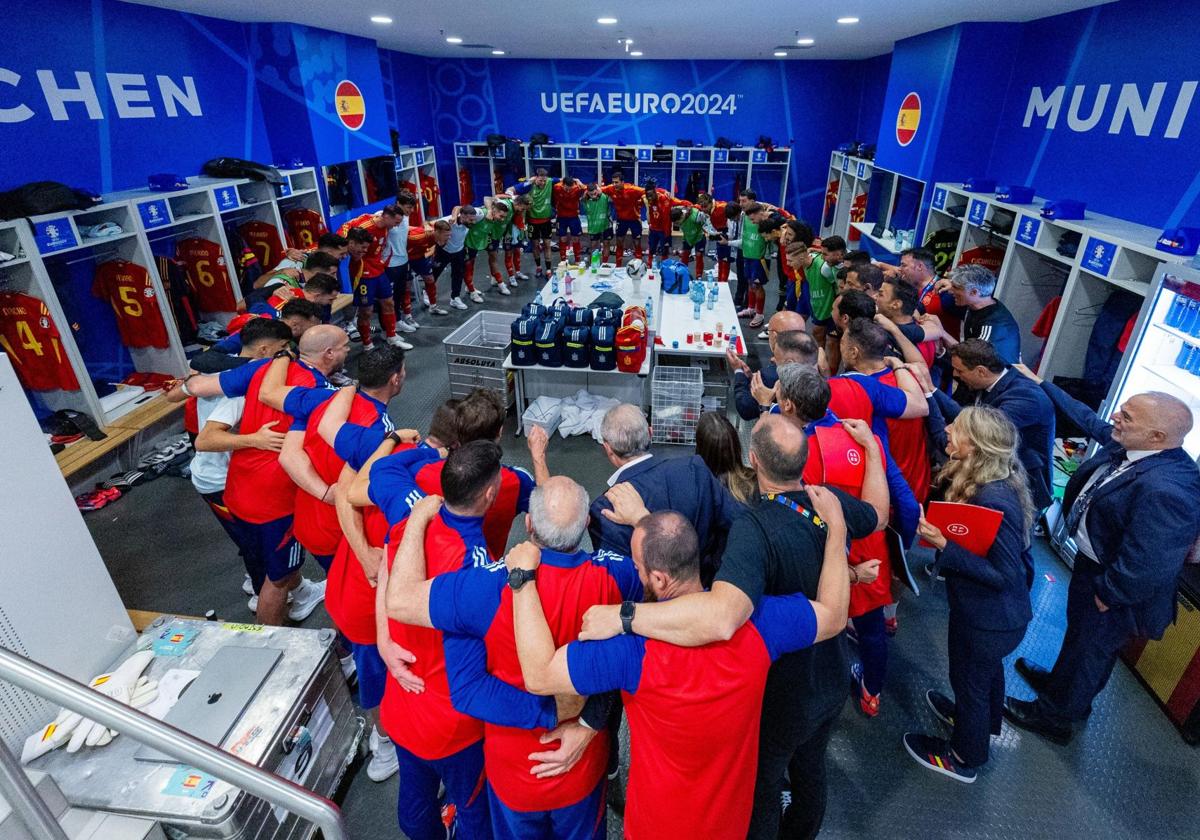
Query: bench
124, 435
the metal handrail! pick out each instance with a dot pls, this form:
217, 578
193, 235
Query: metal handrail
179, 745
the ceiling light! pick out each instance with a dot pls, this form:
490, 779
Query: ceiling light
607, 21
806, 42
497, 52
380, 19
453, 40
780, 54
636, 53
847, 20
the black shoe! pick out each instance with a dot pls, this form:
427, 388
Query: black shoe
1023, 714
943, 706
1035, 675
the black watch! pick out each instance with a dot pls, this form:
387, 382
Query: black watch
394, 437
519, 577
627, 609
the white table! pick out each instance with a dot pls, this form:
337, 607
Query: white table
565, 381
675, 322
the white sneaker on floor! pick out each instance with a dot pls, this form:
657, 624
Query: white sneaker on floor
397, 341
456, 303
425, 299
763, 335
437, 310
477, 296
252, 604
247, 586
520, 275
383, 764
404, 326
305, 599
352, 332
411, 321
503, 289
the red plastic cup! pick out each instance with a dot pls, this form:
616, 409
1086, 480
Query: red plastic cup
708, 338
689, 338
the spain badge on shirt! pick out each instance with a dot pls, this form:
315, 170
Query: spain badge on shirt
349, 105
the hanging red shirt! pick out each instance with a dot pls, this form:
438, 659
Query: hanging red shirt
29, 337
304, 228
128, 289
204, 263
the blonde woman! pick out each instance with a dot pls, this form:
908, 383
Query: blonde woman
988, 595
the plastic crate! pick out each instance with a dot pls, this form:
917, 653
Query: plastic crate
675, 394
475, 356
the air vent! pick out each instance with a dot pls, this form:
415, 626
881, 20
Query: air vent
477, 47
790, 47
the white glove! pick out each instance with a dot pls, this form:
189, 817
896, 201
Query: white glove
124, 684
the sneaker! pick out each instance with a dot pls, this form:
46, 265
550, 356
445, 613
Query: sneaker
305, 599
397, 341
384, 763
252, 604
411, 321
247, 586
404, 326
943, 706
757, 321
934, 754
502, 288
456, 303
746, 313
762, 336
477, 296
352, 331
425, 299
868, 703
539, 275
437, 310
520, 275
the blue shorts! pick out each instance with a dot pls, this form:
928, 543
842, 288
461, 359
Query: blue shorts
604, 235
372, 674
753, 269
417, 807
660, 243
420, 268
724, 252
587, 819
370, 289
699, 246
569, 225
804, 303
633, 227
324, 561
271, 547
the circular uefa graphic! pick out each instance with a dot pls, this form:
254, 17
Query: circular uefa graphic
957, 529
853, 457
349, 105
908, 119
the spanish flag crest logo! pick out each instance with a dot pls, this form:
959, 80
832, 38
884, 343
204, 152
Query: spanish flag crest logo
349, 105
908, 119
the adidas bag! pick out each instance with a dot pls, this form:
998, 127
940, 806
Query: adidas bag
631, 347
547, 343
534, 308
604, 351
676, 279
576, 346
524, 329
580, 316
606, 315
558, 309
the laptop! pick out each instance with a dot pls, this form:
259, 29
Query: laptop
212, 704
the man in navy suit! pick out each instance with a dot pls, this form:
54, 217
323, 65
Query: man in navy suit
743, 378
685, 485
1133, 514
978, 366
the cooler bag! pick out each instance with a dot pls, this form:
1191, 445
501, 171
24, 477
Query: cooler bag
604, 351
676, 279
606, 315
576, 346
560, 309
547, 343
580, 316
634, 315
534, 308
631, 347
524, 329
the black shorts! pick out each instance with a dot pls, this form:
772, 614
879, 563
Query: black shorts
540, 230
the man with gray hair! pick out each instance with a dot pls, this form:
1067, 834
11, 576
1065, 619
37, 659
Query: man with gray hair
685, 485
527, 800
973, 287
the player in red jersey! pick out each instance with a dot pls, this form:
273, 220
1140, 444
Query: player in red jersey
627, 202
422, 245
718, 227
658, 219
204, 262
29, 337
524, 805
368, 272
128, 289
566, 195
259, 493
321, 289
693, 712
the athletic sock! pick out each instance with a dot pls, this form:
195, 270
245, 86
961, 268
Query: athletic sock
431, 291
364, 325
497, 278
723, 271
388, 321
577, 248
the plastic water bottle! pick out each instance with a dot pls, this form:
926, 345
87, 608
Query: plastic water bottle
649, 313
1183, 360
1188, 321
596, 261
567, 282
695, 310
1177, 311
732, 339
712, 295
554, 283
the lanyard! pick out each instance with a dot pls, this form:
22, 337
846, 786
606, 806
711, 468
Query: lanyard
800, 509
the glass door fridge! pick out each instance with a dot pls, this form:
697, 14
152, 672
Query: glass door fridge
1164, 354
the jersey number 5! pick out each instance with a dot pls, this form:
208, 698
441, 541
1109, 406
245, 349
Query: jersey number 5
133, 306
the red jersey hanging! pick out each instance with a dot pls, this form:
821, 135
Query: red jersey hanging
206, 272
29, 337
304, 227
263, 239
432, 194
414, 218
127, 287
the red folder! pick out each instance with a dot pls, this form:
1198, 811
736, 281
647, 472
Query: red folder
970, 526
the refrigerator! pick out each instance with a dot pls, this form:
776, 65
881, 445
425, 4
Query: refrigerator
1164, 353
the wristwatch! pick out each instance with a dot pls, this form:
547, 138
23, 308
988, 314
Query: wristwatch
394, 437
519, 577
627, 609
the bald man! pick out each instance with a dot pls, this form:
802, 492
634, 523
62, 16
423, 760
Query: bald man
747, 406
1133, 515
258, 491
